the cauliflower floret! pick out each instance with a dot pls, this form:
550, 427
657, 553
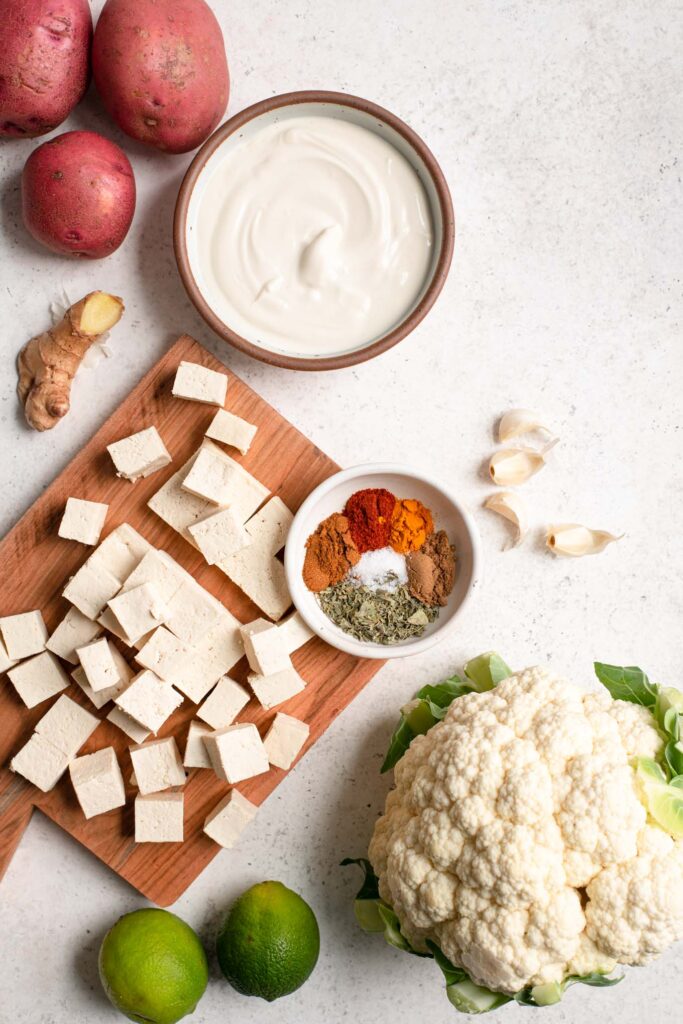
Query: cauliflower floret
635, 909
588, 958
600, 816
491, 943
505, 812
636, 728
513, 865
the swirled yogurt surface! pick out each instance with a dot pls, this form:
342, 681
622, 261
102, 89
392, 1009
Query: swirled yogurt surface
313, 236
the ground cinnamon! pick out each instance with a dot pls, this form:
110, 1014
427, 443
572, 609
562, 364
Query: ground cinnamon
330, 553
431, 570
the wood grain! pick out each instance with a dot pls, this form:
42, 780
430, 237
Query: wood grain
36, 564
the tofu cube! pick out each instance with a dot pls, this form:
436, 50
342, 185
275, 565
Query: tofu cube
40, 762
237, 753
211, 478
38, 679
139, 455
180, 509
91, 588
254, 568
97, 661
75, 630
269, 527
224, 703
149, 700
273, 690
230, 429
67, 726
284, 740
226, 822
107, 620
295, 632
265, 647
167, 656
136, 732
219, 535
157, 766
121, 551
98, 782
138, 611
158, 569
217, 653
198, 383
261, 577
101, 697
23, 635
5, 660
83, 520
159, 818
196, 755
192, 613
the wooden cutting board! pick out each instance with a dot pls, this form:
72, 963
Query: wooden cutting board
36, 564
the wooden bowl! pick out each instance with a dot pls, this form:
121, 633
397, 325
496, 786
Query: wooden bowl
358, 111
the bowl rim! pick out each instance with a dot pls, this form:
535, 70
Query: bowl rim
375, 348
357, 647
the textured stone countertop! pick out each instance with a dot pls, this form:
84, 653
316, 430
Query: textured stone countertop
558, 126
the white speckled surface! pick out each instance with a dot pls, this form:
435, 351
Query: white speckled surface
558, 126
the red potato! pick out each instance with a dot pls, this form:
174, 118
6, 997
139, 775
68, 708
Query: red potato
78, 195
161, 70
44, 63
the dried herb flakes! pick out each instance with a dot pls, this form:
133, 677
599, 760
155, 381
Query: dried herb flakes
376, 616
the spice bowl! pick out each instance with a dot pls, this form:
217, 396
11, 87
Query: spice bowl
448, 513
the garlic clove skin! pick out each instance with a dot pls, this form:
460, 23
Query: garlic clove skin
520, 421
513, 508
513, 466
573, 540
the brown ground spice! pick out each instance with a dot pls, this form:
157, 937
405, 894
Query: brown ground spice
431, 570
330, 553
421, 576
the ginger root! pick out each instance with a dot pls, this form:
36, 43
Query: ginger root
47, 364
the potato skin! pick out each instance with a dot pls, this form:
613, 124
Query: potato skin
78, 195
161, 70
44, 63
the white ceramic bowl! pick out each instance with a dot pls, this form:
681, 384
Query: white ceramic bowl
449, 515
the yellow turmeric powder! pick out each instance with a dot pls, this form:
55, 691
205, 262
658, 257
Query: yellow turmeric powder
411, 524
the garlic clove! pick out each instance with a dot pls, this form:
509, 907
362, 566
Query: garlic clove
520, 421
513, 508
512, 466
574, 540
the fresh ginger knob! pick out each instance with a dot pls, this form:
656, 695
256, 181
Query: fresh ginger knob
47, 364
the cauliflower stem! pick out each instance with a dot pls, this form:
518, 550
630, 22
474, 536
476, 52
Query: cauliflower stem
534, 837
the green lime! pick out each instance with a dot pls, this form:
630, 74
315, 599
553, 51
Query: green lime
153, 967
269, 942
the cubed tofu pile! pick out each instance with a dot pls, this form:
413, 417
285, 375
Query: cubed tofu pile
130, 595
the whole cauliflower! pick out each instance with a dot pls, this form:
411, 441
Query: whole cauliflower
515, 838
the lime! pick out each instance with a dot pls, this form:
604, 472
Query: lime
153, 967
269, 942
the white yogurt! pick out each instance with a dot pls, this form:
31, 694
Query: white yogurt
313, 236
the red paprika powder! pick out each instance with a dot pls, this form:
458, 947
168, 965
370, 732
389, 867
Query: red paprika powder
369, 513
